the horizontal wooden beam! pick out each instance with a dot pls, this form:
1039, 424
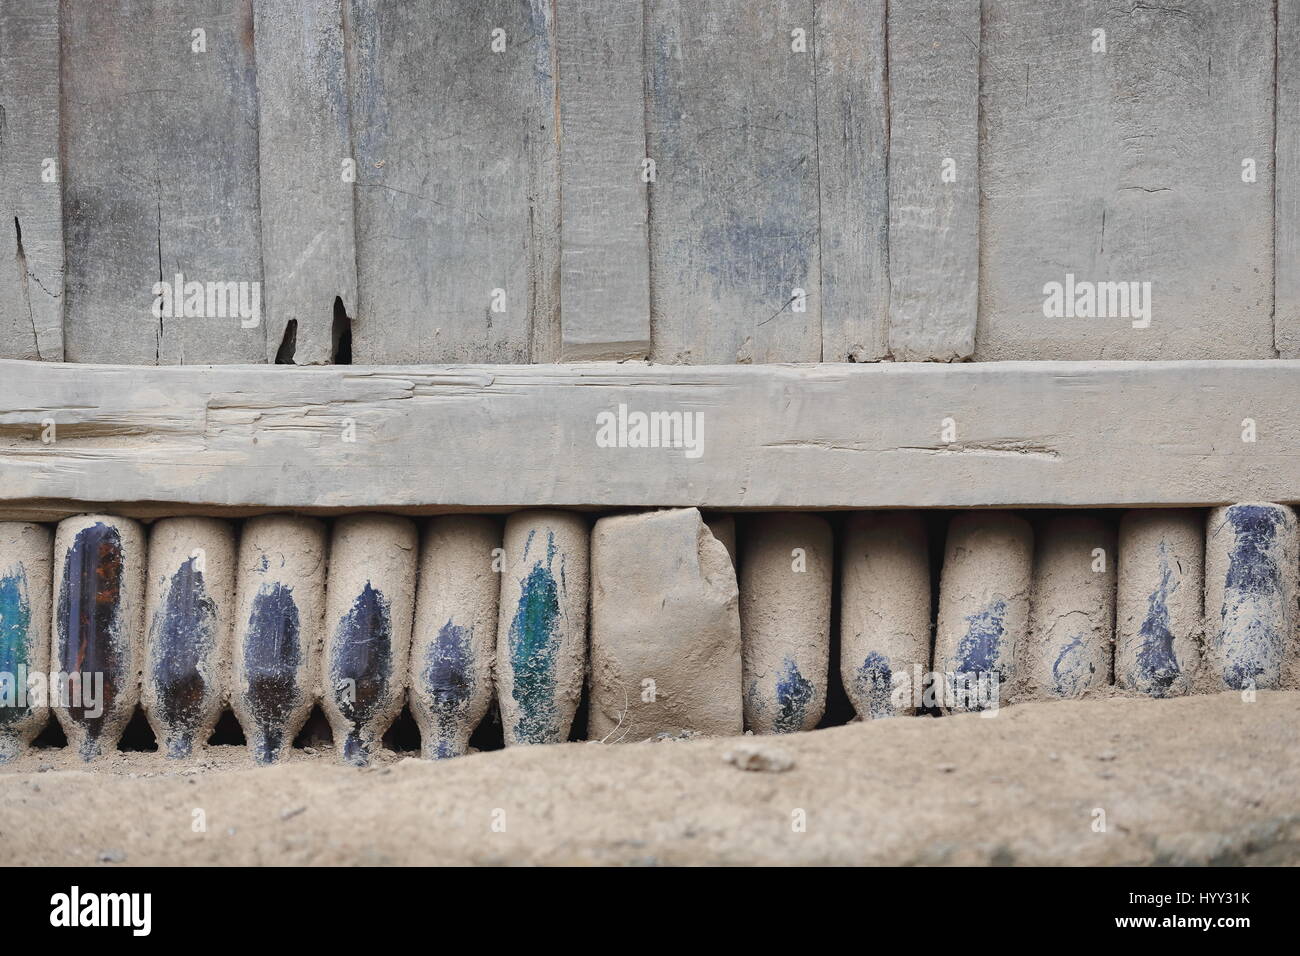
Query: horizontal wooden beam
243, 439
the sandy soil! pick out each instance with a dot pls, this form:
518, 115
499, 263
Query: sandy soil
1194, 780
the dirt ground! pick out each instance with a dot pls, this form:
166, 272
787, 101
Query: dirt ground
1209, 779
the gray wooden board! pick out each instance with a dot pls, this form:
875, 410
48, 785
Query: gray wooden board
458, 181
1286, 209
852, 157
934, 88
732, 128
161, 177
308, 253
1126, 166
31, 278
604, 256
821, 436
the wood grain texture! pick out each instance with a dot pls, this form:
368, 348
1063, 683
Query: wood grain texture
161, 176
1126, 166
852, 164
934, 88
458, 181
1286, 203
604, 255
732, 128
308, 252
435, 438
31, 214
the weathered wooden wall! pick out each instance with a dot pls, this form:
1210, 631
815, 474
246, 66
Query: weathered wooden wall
933, 174
160, 137
308, 176
604, 264
1127, 165
1286, 205
457, 190
31, 215
731, 181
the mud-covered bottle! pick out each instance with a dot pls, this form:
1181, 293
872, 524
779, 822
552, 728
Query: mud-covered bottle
98, 628
25, 551
369, 605
453, 643
189, 602
279, 599
542, 625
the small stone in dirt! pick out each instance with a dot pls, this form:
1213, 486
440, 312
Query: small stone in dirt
309, 751
291, 812
44, 767
1107, 755
946, 767
756, 759
112, 856
1002, 856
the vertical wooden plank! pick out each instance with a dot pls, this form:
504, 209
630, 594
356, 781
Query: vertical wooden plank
933, 179
1286, 203
852, 157
732, 123
161, 152
604, 255
307, 172
458, 180
1125, 165
31, 213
